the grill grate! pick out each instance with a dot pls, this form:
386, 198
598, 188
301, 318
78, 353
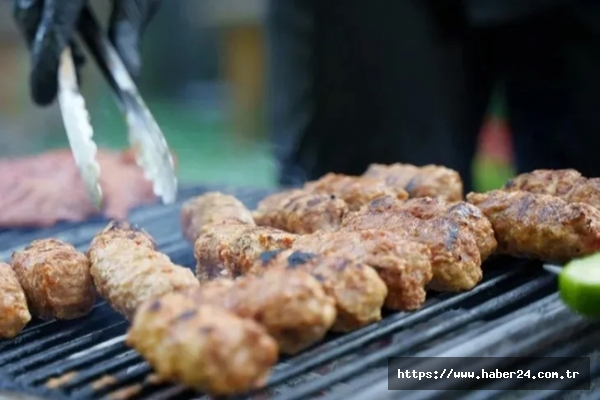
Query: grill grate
513, 312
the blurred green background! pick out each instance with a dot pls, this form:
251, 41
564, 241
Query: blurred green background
204, 83
205, 150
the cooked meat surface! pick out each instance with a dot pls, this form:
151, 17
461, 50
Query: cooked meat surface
291, 305
455, 258
426, 181
211, 208
14, 314
403, 265
42, 190
56, 279
545, 181
201, 346
585, 191
469, 217
356, 191
301, 211
383, 204
358, 291
229, 250
540, 226
128, 270
568, 184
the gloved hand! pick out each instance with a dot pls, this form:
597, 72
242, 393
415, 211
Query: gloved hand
48, 27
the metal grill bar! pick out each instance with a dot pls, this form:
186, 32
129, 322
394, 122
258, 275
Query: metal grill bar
530, 289
587, 341
60, 351
52, 339
570, 341
126, 358
64, 366
356, 340
555, 389
342, 346
134, 373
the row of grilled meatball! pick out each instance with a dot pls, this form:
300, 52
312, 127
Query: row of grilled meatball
326, 257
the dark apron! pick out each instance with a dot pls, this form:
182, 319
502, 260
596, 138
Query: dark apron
494, 12
355, 82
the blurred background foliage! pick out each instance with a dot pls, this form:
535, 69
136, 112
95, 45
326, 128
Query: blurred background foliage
204, 74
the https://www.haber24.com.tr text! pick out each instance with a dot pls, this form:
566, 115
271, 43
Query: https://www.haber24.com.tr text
484, 374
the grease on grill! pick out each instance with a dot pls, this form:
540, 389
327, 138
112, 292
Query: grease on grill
103, 382
127, 392
154, 379
56, 382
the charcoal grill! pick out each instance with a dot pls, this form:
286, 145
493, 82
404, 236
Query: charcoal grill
514, 312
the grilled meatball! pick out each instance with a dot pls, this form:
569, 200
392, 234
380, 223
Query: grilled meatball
202, 346
455, 258
127, 270
358, 291
382, 204
291, 305
356, 191
56, 279
301, 211
14, 314
469, 217
568, 184
229, 250
540, 226
585, 191
545, 181
403, 265
426, 181
210, 208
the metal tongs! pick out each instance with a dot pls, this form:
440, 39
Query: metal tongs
145, 137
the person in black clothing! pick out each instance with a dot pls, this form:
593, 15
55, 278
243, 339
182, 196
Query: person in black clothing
354, 82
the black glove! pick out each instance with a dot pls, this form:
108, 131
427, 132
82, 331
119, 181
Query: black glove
49, 25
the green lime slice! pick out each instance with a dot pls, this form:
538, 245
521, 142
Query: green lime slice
579, 285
